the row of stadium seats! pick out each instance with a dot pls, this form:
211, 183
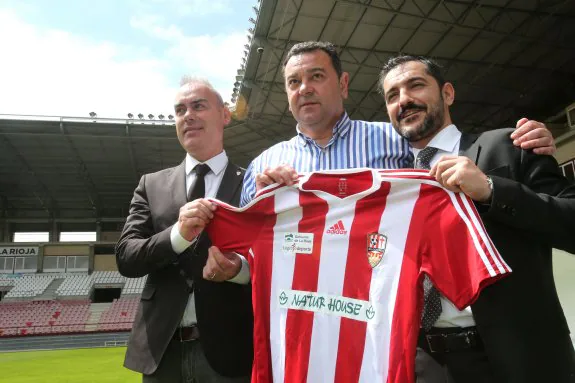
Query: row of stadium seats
29, 285
43, 317
74, 285
60, 317
120, 315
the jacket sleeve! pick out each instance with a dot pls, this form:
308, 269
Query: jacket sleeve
140, 250
541, 200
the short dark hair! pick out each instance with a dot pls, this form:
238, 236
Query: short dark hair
432, 68
311, 46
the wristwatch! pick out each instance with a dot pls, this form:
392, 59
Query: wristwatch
490, 184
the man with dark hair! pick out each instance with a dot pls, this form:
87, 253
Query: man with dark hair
516, 330
312, 46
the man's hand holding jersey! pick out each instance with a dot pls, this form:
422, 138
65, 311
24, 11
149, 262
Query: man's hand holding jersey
193, 218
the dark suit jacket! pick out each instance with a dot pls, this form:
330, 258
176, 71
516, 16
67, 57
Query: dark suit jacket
520, 318
224, 310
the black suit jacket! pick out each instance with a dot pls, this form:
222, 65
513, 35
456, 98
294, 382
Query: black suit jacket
520, 318
223, 310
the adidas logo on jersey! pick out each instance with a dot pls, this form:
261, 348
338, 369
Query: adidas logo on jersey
338, 228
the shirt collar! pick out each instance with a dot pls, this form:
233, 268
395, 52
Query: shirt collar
340, 129
217, 163
445, 140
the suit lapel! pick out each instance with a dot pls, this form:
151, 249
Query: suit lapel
177, 185
466, 147
230, 183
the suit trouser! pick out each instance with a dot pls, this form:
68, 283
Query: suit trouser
466, 366
185, 362
474, 367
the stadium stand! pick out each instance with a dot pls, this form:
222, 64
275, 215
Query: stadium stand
30, 286
76, 285
31, 308
43, 317
120, 315
107, 277
134, 286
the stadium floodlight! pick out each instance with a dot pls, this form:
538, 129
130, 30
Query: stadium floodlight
130, 116
247, 46
251, 20
140, 116
170, 117
239, 78
161, 116
251, 31
244, 60
151, 116
236, 84
241, 72
93, 114
256, 10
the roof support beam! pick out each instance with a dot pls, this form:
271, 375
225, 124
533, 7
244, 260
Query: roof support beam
527, 39
136, 174
83, 170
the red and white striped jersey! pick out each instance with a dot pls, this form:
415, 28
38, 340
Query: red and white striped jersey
337, 262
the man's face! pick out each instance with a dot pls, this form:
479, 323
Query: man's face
415, 104
200, 120
315, 93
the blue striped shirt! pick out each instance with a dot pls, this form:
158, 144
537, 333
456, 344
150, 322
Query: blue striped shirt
355, 144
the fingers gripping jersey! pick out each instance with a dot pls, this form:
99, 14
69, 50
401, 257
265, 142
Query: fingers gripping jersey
337, 264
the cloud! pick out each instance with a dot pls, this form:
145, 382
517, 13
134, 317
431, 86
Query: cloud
194, 8
216, 57
52, 72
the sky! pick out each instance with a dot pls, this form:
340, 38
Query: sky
113, 57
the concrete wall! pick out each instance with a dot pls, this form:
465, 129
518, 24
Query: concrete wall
565, 147
105, 263
66, 250
564, 271
110, 236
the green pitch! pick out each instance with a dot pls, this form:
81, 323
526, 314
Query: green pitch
101, 365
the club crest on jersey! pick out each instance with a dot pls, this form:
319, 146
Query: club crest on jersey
376, 244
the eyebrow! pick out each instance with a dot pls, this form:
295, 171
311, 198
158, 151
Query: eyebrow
311, 70
409, 81
194, 101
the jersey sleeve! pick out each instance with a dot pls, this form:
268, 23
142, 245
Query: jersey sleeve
458, 255
235, 229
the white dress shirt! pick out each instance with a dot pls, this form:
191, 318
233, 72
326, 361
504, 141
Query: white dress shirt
447, 142
213, 179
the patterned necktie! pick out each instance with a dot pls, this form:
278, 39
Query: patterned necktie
431, 301
199, 188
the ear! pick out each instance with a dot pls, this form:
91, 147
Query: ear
448, 93
344, 84
227, 115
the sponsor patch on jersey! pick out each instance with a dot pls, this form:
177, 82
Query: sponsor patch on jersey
294, 243
336, 305
376, 244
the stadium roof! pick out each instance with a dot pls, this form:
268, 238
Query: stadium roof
75, 168
507, 59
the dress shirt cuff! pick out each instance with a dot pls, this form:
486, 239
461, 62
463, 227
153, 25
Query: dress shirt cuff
243, 277
179, 243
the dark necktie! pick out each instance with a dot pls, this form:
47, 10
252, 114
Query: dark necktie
198, 190
431, 301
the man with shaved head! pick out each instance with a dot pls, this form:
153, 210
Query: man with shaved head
188, 327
